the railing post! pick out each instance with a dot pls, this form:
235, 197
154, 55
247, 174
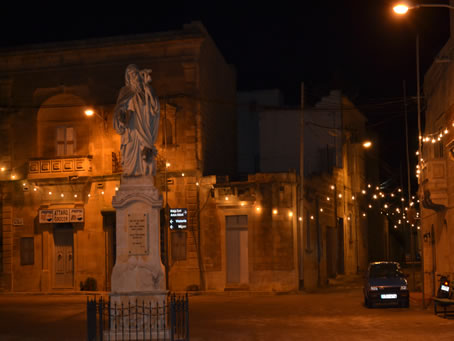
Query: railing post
101, 325
91, 319
187, 317
172, 318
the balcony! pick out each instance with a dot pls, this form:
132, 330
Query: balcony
434, 181
60, 167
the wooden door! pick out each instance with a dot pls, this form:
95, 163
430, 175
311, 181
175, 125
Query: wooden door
64, 257
237, 260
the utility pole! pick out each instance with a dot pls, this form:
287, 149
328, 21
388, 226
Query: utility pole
301, 191
412, 248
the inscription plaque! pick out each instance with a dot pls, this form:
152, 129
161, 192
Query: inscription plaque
138, 233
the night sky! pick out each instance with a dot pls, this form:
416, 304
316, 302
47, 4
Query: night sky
358, 46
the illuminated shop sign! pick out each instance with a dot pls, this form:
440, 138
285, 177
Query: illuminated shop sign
178, 218
61, 215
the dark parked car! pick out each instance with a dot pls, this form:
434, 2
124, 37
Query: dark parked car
386, 284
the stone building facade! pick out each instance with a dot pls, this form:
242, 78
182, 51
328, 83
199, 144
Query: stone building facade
331, 233
59, 169
436, 178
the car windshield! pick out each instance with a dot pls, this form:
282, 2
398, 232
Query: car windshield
384, 270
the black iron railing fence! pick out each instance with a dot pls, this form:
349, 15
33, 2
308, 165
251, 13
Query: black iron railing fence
139, 320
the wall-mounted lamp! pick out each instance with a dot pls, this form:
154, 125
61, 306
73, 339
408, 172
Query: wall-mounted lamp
89, 112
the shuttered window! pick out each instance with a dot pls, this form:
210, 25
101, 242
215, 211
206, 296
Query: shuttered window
65, 141
27, 251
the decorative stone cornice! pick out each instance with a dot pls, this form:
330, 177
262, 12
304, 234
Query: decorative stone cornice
130, 194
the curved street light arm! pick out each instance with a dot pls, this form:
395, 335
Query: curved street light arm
431, 5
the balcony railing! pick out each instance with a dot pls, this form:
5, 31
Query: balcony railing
60, 167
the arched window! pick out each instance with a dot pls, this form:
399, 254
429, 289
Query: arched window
62, 127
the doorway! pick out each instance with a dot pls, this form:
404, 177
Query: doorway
64, 259
331, 251
110, 233
340, 246
237, 269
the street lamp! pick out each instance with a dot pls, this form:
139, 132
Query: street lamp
367, 144
403, 8
89, 112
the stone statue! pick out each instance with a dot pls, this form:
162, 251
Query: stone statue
136, 119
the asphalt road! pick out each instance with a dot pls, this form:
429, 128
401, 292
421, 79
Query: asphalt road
330, 314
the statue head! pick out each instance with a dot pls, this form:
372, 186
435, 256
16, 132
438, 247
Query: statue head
133, 77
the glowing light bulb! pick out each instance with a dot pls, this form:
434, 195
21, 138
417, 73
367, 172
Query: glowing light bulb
400, 9
89, 112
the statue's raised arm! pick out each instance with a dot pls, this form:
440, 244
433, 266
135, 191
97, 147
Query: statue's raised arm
136, 119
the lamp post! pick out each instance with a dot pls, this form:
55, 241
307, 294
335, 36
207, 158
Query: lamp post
402, 9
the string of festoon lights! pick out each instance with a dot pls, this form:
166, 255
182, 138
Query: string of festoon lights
432, 139
13, 175
392, 204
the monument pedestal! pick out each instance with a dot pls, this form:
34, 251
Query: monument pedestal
138, 277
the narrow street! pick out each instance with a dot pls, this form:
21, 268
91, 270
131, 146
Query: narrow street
336, 313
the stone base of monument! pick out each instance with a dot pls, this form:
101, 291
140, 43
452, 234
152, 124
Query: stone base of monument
139, 316
138, 304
